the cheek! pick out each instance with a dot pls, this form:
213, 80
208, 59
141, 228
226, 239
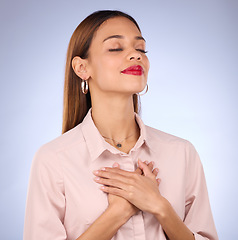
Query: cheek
105, 71
147, 63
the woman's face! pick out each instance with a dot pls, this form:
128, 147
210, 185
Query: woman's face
117, 45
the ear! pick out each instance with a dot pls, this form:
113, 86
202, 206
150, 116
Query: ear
79, 66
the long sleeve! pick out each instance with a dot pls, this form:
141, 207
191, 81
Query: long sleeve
63, 200
198, 215
45, 207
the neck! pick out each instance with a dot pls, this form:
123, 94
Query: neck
114, 118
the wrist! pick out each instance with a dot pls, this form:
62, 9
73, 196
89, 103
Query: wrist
162, 209
119, 215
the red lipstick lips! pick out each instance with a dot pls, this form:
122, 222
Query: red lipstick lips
133, 70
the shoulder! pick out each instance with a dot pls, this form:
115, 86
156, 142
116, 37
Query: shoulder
69, 140
162, 140
157, 136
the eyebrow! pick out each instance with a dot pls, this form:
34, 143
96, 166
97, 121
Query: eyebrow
121, 37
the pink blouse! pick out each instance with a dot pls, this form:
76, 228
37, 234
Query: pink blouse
63, 199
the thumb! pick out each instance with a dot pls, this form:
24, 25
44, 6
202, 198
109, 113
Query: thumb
147, 172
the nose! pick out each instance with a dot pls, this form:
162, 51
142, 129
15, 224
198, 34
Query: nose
135, 55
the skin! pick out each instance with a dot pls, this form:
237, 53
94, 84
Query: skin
119, 211
113, 114
111, 91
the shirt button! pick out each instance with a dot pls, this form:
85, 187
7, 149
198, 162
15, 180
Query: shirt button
127, 164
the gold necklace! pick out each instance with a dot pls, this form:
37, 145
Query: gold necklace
119, 143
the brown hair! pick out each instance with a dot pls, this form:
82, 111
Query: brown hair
77, 104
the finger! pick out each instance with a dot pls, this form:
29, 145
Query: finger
158, 181
111, 183
102, 176
103, 173
114, 191
145, 162
138, 171
113, 170
145, 168
150, 165
155, 171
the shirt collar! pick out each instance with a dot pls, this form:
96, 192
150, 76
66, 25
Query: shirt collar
96, 143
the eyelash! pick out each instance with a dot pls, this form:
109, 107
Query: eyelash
120, 49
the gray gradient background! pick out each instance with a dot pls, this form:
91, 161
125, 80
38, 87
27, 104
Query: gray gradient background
192, 89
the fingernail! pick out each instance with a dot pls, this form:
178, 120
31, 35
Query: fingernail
146, 162
97, 178
95, 172
103, 169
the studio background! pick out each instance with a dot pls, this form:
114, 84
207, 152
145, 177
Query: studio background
192, 89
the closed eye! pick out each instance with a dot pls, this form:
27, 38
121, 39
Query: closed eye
141, 50
120, 49
115, 49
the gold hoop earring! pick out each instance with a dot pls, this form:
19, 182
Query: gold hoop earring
141, 94
84, 86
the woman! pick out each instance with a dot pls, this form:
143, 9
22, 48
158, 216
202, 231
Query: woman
99, 179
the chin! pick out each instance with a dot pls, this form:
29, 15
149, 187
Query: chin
141, 88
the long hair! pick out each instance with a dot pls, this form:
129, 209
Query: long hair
77, 104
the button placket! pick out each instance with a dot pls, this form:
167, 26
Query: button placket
128, 164
138, 226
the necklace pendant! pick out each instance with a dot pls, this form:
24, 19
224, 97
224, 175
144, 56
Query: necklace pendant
119, 145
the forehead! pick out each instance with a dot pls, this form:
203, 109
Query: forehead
117, 26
